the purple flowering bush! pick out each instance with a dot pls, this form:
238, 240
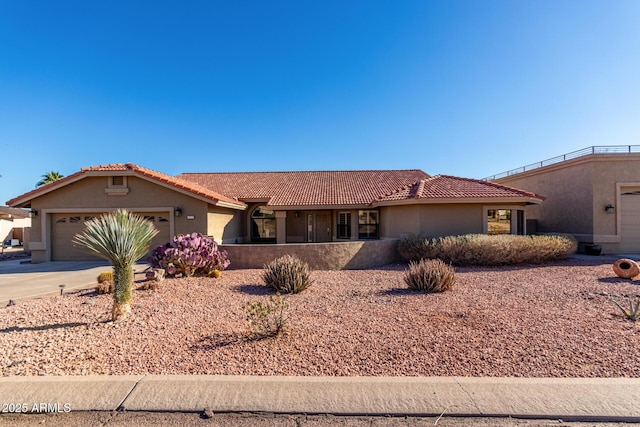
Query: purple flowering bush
189, 255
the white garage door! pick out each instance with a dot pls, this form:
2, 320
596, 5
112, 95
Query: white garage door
65, 226
630, 221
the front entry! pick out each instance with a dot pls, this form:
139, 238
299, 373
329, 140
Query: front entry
319, 227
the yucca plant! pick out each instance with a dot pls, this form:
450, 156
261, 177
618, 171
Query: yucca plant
121, 238
287, 274
633, 313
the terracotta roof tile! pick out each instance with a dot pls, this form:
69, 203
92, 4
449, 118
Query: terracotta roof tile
449, 187
123, 167
308, 188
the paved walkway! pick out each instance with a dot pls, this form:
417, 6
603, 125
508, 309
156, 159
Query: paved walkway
615, 399
20, 281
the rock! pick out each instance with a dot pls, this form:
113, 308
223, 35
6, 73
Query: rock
156, 274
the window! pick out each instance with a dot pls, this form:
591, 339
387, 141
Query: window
500, 221
263, 225
344, 225
368, 225
117, 186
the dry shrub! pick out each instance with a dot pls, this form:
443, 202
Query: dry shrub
287, 274
430, 275
482, 249
104, 288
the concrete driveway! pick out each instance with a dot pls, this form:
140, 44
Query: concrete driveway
26, 281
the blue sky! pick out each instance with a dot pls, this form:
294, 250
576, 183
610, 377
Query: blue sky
466, 88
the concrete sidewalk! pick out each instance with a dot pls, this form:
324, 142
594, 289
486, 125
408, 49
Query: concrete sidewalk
616, 399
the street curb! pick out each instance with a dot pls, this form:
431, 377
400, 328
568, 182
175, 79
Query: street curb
576, 399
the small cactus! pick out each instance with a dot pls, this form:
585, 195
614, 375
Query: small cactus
105, 283
105, 276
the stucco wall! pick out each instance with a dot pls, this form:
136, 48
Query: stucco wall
568, 207
607, 172
88, 195
432, 219
319, 256
577, 192
7, 226
225, 225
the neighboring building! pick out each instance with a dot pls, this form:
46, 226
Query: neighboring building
14, 226
272, 207
593, 194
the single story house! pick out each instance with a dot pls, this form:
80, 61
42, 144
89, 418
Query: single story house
593, 193
14, 226
275, 212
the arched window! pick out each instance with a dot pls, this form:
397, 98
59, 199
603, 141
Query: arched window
263, 225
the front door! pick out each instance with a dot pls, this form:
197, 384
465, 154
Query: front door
319, 227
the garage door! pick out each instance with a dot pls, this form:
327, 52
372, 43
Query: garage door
65, 226
630, 221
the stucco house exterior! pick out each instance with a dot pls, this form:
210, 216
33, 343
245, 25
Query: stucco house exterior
257, 215
593, 193
14, 226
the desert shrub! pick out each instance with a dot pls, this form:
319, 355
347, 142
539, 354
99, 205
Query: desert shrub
287, 274
189, 255
430, 275
482, 249
415, 247
268, 319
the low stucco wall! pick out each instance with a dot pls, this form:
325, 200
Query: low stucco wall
320, 256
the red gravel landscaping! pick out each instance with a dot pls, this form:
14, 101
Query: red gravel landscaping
554, 320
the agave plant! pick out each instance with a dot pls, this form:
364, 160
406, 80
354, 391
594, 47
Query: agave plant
633, 313
121, 238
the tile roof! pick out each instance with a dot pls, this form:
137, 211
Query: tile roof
308, 188
451, 187
178, 183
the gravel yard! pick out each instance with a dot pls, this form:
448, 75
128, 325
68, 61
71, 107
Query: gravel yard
553, 320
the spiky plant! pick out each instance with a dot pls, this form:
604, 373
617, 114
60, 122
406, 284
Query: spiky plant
430, 275
633, 313
287, 274
121, 238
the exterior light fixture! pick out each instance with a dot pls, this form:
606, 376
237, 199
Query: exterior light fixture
33, 213
609, 208
178, 211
